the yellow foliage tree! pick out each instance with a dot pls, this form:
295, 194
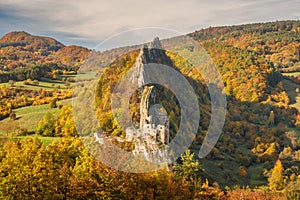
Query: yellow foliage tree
276, 181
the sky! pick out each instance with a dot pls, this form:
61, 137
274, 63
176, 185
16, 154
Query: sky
91, 22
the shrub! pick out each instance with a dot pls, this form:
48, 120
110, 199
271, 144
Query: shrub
35, 82
12, 115
53, 103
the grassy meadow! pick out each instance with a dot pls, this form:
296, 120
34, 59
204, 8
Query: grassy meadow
28, 118
44, 83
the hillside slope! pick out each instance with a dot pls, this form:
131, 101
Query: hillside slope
260, 127
21, 49
259, 118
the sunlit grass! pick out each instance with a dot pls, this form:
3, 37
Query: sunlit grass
46, 140
291, 74
45, 83
29, 117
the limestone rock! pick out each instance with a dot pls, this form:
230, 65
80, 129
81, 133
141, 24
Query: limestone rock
154, 124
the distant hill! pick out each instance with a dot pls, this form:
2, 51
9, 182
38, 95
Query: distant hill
71, 55
21, 49
30, 42
277, 41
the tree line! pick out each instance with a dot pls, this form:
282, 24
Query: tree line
67, 170
35, 72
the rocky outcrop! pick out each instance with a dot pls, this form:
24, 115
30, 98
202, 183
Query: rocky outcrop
154, 124
151, 53
144, 106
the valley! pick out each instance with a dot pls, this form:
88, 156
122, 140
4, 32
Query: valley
257, 153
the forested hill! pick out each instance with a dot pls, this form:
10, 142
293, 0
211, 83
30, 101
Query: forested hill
21, 49
251, 54
260, 124
277, 41
252, 60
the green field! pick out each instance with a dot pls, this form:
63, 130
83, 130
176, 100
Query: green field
83, 76
46, 140
28, 117
50, 84
44, 83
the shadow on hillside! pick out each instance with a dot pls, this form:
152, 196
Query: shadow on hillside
290, 88
51, 80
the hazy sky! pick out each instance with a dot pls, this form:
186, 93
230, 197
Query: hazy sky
89, 22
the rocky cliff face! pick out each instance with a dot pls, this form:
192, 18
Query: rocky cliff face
144, 106
151, 132
151, 53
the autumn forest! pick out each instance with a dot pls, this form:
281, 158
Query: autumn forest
43, 154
